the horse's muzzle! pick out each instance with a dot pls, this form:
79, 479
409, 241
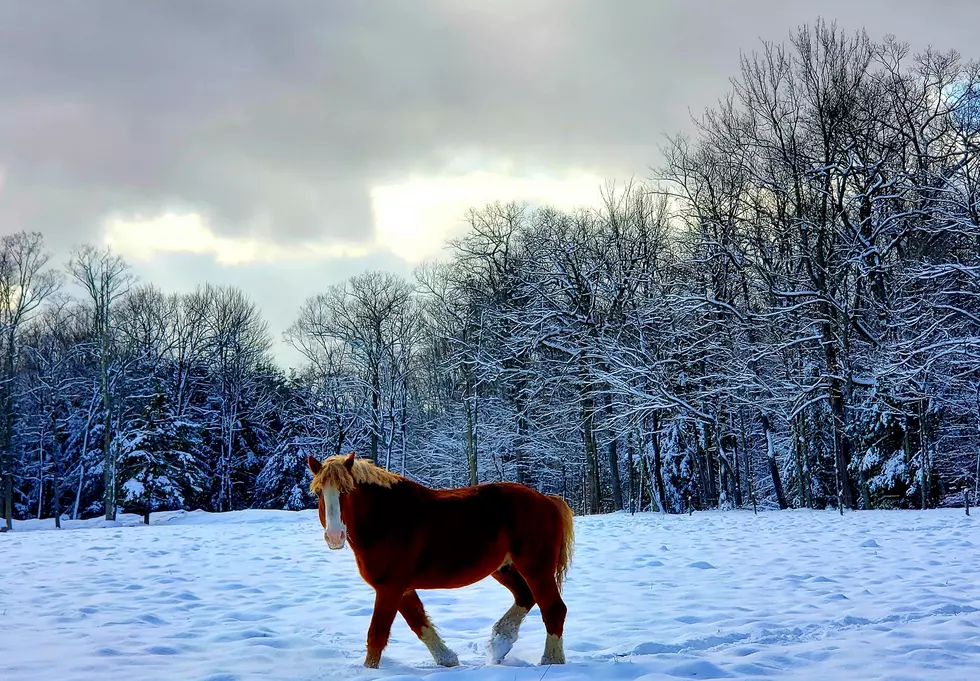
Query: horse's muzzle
335, 540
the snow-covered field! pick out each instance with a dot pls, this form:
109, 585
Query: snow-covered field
257, 595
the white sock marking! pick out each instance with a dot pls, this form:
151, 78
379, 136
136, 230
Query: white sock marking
505, 633
440, 653
554, 651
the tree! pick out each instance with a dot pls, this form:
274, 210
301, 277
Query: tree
237, 341
24, 285
105, 279
365, 314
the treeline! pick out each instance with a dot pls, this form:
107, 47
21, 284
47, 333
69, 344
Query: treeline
788, 314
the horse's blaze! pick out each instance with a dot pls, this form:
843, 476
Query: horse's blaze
334, 530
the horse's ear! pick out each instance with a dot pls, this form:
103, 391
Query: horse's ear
349, 461
313, 464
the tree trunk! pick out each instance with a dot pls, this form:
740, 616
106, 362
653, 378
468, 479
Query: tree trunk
375, 411
736, 454
78, 491
147, 503
57, 486
798, 454
617, 486
923, 458
338, 420
642, 476
655, 498
8, 489
388, 440
631, 473
865, 492
7, 462
339, 444
777, 483
404, 427
658, 469
40, 477
229, 496
470, 408
520, 445
749, 476
108, 474
842, 445
591, 456
726, 470
81, 471
709, 492
221, 464
976, 481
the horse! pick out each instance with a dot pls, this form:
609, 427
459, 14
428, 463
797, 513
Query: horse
406, 537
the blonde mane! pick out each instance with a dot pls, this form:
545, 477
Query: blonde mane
333, 473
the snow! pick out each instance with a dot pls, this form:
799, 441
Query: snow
133, 488
257, 595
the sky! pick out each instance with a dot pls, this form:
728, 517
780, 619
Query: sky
284, 145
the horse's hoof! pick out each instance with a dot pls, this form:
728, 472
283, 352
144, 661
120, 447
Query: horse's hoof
554, 651
371, 663
499, 646
450, 660
444, 657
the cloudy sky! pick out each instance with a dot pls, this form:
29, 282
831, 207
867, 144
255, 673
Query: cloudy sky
283, 145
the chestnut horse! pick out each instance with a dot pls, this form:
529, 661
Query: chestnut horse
406, 536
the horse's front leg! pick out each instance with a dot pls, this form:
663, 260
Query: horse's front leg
386, 601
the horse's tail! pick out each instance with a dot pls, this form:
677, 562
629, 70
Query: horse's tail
567, 539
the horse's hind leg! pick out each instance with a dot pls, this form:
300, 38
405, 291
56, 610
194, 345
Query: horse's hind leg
553, 611
413, 611
506, 630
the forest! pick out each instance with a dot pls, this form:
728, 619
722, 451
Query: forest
785, 314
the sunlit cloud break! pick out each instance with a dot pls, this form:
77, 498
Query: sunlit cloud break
413, 219
141, 239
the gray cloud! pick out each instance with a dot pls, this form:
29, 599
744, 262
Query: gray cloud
275, 118
291, 110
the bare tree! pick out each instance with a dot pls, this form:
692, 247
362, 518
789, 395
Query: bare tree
237, 341
105, 279
24, 284
364, 313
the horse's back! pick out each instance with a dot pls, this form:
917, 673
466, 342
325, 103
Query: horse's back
470, 532
497, 503
518, 516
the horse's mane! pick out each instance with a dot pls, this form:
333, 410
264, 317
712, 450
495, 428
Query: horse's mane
333, 473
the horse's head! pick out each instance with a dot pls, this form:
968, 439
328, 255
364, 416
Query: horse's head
331, 479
